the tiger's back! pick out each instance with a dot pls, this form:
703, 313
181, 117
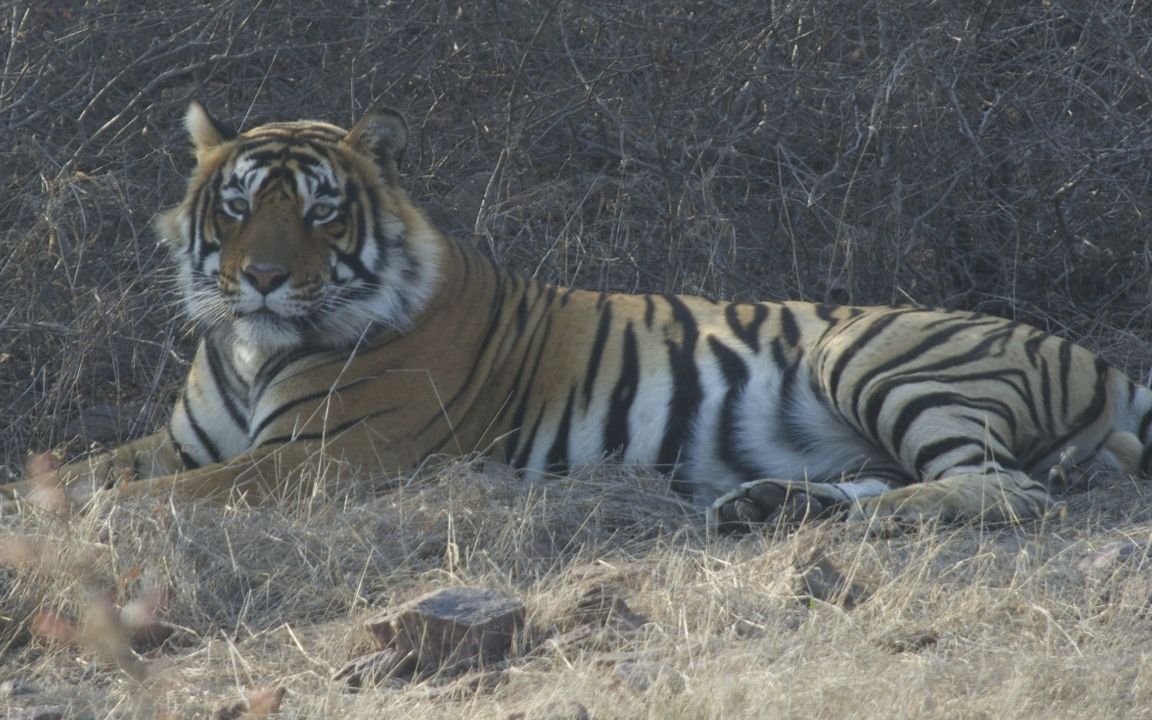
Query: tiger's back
339, 322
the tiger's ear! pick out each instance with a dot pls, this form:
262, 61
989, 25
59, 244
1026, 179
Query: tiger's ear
206, 131
384, 134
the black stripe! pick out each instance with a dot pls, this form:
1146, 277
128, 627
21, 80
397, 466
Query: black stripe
983, 426
558, 454
221, 379
732, 366
266, 158
285, 177
788, 408
327, 432
356, 227
932, 341
517, 424
616, 432
933, 450
912, 410
201, 436
522, 459
376, 213
979, 458
779, 356
1065, 375
1046, 394
522, 313
352, 261
1099, 397
308, 162
846, 354
297, 401
351, 192
749, 334
824, 311
597, 352
788, 326
276, 364
735, 372
199, 249
188, 461
1032, 348
686, 393
233, 183
649, 311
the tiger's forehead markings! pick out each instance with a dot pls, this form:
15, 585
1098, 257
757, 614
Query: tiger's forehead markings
289, 164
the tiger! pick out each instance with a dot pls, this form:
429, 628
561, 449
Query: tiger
337, 322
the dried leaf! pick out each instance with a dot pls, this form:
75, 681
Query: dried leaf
54, 627
256, 705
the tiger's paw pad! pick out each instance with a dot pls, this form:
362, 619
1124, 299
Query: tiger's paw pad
763, 502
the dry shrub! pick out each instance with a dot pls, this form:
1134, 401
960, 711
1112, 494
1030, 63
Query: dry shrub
971, 154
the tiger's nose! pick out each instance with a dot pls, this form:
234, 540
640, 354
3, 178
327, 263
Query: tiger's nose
264, 277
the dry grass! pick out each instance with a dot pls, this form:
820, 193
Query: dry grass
272, 597
978, 155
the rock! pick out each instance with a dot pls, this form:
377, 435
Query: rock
451, 629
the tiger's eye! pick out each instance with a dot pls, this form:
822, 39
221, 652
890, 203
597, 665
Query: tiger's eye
322, 212
237, 207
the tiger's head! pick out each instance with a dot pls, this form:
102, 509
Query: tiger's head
297, 234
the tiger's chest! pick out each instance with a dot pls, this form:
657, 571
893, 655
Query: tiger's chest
213, 420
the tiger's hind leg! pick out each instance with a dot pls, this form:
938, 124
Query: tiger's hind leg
991, 496
767, 501
1003, 496
996, 494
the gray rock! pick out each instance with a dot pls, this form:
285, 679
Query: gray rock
451, 629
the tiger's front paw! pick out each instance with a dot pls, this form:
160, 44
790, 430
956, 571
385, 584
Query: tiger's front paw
785, 502
42, 487
61, 490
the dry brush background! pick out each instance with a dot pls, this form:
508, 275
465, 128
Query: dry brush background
980, 155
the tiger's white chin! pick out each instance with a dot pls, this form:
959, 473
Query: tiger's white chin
266, 334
